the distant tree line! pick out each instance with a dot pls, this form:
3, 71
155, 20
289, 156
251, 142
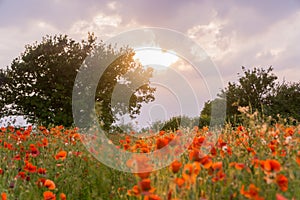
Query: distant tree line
257, 89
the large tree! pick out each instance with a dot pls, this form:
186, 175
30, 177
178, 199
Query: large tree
40, 82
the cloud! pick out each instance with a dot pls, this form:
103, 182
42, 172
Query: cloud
209, 37
100, 24
276, 46
234, 33
14, 39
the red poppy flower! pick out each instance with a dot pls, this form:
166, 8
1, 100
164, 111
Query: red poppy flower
49, 184
251, 193
21, 175
49, 196
280, 197
161, 142
206, 162
61, 155
41, 170
282, 182
3, 196
135, 191
217, 165
175, 166
179, 182
271, 165
298, 158
62, 196
30, 167
152, 197
40, 182
145, 184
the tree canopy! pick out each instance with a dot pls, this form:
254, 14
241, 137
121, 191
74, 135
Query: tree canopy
258, 89
39, 83
285, 101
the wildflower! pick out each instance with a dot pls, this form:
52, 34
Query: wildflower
21, 175
190, 172
61, 155
289, 131
224, 148
62, 196
135, 191
12, 185
238, 166
251, 150
145, 150
145, 184
152, 197
49, 184
49, 195
251, 193
298, 158
282, 182
175, 166
8, 146
143, 175
195, 155
179, 182
44, 142
17, 157
273, 148
198, 141
206, 162
40, 182
271, 165
33, 150
141, 165
41, 170
126, 146
169, 196
3, 196
213, 151
240, 128
219, 176
280, 197
217, 166
205, 128
30, 167
161, 142
288, 139
162, 132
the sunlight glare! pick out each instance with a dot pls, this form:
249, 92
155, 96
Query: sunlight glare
155, 57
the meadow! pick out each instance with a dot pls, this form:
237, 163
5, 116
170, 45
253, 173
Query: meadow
255, 160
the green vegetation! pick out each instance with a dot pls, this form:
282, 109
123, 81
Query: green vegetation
39, 83
258, 90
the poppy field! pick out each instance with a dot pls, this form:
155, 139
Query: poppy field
249, 161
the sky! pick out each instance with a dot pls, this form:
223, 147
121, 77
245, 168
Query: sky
233, 33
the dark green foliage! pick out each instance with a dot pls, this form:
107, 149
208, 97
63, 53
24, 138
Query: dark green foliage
175, 123
285, 101
253, 88
257, 89
39, 83
219, 106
